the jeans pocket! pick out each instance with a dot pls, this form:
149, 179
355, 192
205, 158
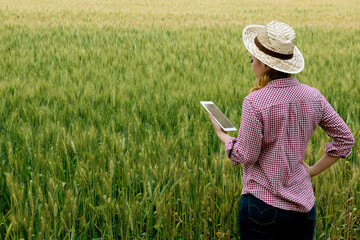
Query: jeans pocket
260, 212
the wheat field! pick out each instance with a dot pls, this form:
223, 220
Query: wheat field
101, 132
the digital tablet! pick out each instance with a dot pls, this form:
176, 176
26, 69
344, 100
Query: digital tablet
220, 118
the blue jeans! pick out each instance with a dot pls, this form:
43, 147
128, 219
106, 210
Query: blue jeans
258, 220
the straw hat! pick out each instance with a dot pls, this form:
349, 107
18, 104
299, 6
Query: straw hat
274, 45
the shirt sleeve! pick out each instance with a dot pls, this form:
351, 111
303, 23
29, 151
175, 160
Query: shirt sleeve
335, 127
245, 148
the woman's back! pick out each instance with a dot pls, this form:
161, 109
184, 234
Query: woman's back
287, 113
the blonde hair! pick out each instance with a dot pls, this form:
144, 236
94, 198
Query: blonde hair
269, 75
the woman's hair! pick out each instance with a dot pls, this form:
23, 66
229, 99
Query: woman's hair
269, 75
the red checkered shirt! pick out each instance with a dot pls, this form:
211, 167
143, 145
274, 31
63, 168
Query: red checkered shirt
276, 125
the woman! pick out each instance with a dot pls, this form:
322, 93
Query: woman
278, 118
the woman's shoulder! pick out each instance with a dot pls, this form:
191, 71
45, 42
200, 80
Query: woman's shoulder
312, 90
256, 98
266, 97
256, 94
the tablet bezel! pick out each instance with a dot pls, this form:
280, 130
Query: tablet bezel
225, 129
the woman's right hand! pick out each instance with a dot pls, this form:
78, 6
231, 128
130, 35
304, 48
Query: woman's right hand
222, 135
216, 126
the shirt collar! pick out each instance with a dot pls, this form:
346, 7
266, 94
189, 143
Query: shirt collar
283, 82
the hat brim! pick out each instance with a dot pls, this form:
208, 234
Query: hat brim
294, 65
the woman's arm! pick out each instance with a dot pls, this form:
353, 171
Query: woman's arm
246, 147
325, 162
342, 138
341, 144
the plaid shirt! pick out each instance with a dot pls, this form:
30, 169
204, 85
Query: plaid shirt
276, 125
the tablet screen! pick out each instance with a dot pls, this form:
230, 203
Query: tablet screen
218, 115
